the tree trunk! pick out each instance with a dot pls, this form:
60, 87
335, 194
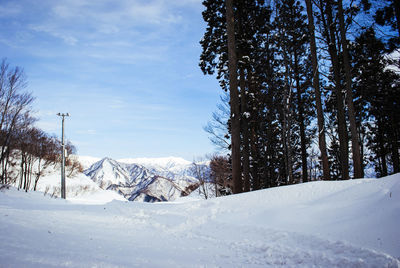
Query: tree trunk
22, 171
320, 112
39, 173
29, 177
287, 114
382, 150
255, 182
270, 173
355, 143
361, 139
286, 129
245, 133
303, 146
234, 99
6, 164
394, 145
342, 128
254, 153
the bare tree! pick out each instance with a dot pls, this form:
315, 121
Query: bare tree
220, 175
201, 173
14, 111
45, 151
217, 128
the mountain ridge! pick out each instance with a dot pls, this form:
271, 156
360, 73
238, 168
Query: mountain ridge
144, 179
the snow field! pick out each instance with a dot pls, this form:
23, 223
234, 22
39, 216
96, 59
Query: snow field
320, 224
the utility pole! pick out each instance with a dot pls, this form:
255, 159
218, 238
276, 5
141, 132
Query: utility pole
63, 156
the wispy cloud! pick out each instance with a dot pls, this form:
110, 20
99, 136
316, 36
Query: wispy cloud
123, 31
116, 12
9, 9
91, 20
53, 31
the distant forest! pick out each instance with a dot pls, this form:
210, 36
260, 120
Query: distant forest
310, 89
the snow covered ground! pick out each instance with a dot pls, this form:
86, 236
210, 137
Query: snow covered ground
319, 224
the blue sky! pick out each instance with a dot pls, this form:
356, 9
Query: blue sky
126, 70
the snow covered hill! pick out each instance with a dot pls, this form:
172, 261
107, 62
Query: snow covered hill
319, 224
143, 179
77, 186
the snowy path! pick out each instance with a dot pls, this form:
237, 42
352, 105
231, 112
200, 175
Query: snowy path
310, 225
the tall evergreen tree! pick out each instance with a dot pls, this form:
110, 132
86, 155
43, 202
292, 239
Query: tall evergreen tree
234, 98
357, 163
293, 41
378, 90
330, 33
318, 98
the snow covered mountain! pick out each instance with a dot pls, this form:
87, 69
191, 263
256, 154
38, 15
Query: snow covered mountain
143, 179
170, 167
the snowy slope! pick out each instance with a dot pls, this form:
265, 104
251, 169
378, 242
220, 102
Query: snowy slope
160, 189
79, 187
320, 224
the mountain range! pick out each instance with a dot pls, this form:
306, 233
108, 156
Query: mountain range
144, 179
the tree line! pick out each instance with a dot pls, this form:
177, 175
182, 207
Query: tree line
310, 89
26, 152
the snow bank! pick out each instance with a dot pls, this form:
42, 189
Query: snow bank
364, 211
319, 224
